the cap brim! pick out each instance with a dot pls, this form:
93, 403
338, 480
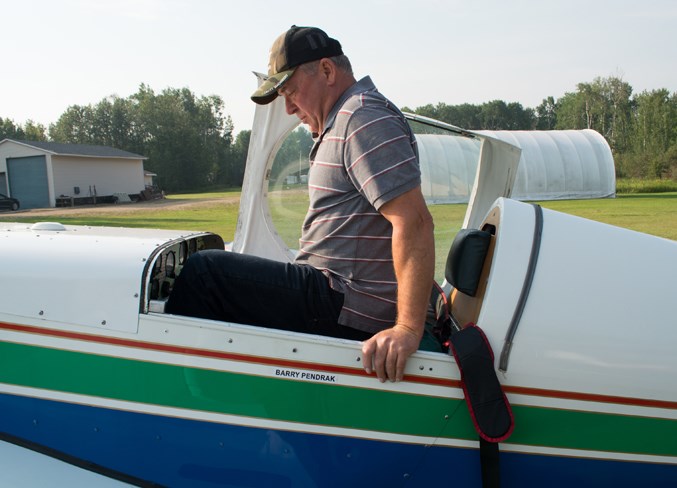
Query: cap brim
267, 91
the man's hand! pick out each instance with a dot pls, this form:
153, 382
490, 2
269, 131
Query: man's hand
414, 261
386, 353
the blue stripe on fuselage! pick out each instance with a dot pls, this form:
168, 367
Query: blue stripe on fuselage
179, 452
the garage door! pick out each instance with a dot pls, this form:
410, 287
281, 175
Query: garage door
28, 181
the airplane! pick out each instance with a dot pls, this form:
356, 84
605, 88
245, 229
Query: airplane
101, 387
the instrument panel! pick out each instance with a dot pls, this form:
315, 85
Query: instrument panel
170, 259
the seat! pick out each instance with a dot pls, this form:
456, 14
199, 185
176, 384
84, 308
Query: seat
466, 271
465, 261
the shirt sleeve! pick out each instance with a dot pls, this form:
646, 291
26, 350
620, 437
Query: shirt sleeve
380, 154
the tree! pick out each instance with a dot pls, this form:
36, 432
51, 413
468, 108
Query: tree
34, 131
75, 126
603, 105
235, 164
654, 120
618, 94
495, 115
546, 114
466, 115
185, 138
573, 112
31, 131
176, 132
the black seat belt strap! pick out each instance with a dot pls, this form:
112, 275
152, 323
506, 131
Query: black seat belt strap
487, 404
489, 463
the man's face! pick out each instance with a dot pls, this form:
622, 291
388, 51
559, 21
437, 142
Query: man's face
304, 94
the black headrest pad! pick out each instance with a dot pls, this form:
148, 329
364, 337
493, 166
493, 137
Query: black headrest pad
466, 259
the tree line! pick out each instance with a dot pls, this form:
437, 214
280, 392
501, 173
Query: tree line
641, 129
189, 140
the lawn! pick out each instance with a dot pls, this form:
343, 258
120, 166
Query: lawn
217, 212
650, 213
214, 212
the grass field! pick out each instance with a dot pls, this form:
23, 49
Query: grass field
214, 212
217, 212
652, 213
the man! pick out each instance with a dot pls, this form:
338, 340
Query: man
366, 261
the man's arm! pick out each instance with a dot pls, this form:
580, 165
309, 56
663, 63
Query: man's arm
413, 246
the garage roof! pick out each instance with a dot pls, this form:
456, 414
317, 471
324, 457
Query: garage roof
78, 149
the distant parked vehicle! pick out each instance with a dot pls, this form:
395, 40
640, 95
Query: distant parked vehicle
8, 203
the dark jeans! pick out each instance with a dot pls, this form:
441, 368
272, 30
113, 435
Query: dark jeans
233, 287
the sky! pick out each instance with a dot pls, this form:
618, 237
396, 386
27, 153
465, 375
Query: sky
59, 53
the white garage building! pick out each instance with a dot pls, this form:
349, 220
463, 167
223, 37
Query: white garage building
41, 173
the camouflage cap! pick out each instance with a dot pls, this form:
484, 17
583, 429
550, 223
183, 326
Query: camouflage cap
293, 48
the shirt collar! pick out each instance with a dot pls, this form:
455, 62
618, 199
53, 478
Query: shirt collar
364, 85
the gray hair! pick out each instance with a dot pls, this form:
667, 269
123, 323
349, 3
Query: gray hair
341, 61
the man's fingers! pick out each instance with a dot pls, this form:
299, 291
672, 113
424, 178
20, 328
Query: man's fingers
368, 348
401, 363
386, 354
374, 356
391, 364
380, 357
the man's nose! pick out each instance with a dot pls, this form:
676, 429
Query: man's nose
289, 106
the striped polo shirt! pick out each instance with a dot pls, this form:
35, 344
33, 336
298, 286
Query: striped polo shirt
365, 157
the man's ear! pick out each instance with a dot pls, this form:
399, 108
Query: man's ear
328, 70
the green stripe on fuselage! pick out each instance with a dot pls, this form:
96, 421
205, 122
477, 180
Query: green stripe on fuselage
594, 431
325, 404
223, 392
